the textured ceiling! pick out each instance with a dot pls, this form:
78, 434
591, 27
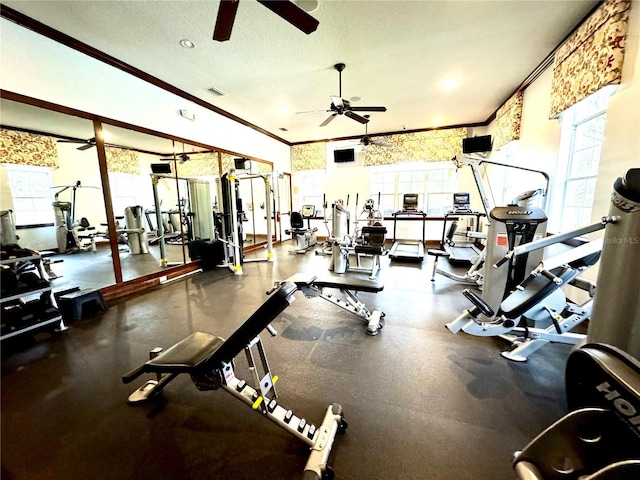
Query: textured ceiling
399, 54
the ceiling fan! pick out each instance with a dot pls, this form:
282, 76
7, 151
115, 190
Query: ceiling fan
341, 106
84, 144
181, 158
285, 9
367, 140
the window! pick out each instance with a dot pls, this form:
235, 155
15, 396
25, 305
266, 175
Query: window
582, 136
433, 182
31, 194
312, 189
383, 183
123, 188
441, 183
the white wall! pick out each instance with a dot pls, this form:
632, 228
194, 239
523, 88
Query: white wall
79, 81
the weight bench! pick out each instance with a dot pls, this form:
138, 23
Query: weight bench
311, 287
600, 438
209, 361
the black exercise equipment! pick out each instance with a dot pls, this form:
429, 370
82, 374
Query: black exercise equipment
312, 286
209, 361
600, 438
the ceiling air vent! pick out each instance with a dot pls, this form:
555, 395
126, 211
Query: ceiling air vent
216, 91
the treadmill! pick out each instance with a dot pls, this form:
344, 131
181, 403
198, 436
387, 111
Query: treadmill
460, 253
408, 250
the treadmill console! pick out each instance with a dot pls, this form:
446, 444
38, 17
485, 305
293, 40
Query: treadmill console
461, 202
410, 202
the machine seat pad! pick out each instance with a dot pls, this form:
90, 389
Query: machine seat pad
538, 288
187, 354
369, 249
349, 284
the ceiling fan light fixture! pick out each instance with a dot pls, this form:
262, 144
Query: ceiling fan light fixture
186, 43
308, 6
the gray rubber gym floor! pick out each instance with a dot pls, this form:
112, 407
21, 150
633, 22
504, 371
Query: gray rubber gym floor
421, 403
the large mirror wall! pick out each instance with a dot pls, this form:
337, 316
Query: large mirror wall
163, 194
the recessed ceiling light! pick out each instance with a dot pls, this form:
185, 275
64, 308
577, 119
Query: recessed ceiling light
187, 43
355, 99
283, 129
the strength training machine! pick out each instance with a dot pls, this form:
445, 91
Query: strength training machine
368, 241
537, 311
475, 274
209, 361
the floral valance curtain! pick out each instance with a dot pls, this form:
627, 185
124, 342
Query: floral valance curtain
429, 146
199, 165
122, 161
227, 162
592, 57
310, 156
508, 121
22, 148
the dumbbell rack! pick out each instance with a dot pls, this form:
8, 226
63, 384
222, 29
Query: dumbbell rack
36, 259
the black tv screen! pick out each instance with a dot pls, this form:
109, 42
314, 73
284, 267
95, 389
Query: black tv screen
345, 155
242, 163
476, 144
161, 168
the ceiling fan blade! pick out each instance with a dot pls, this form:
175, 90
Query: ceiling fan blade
328, 119
292, 14
356, 117
86, 147
224, 22
314, 111
368, 109
337, 101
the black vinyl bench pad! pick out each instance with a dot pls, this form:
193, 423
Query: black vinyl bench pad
355, 284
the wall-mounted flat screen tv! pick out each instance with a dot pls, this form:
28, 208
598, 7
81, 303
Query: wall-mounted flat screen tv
161, 168
476, 144
344, 155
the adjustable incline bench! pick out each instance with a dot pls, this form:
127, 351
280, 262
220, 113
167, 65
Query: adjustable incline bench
208, 359
312, 286
599, 439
